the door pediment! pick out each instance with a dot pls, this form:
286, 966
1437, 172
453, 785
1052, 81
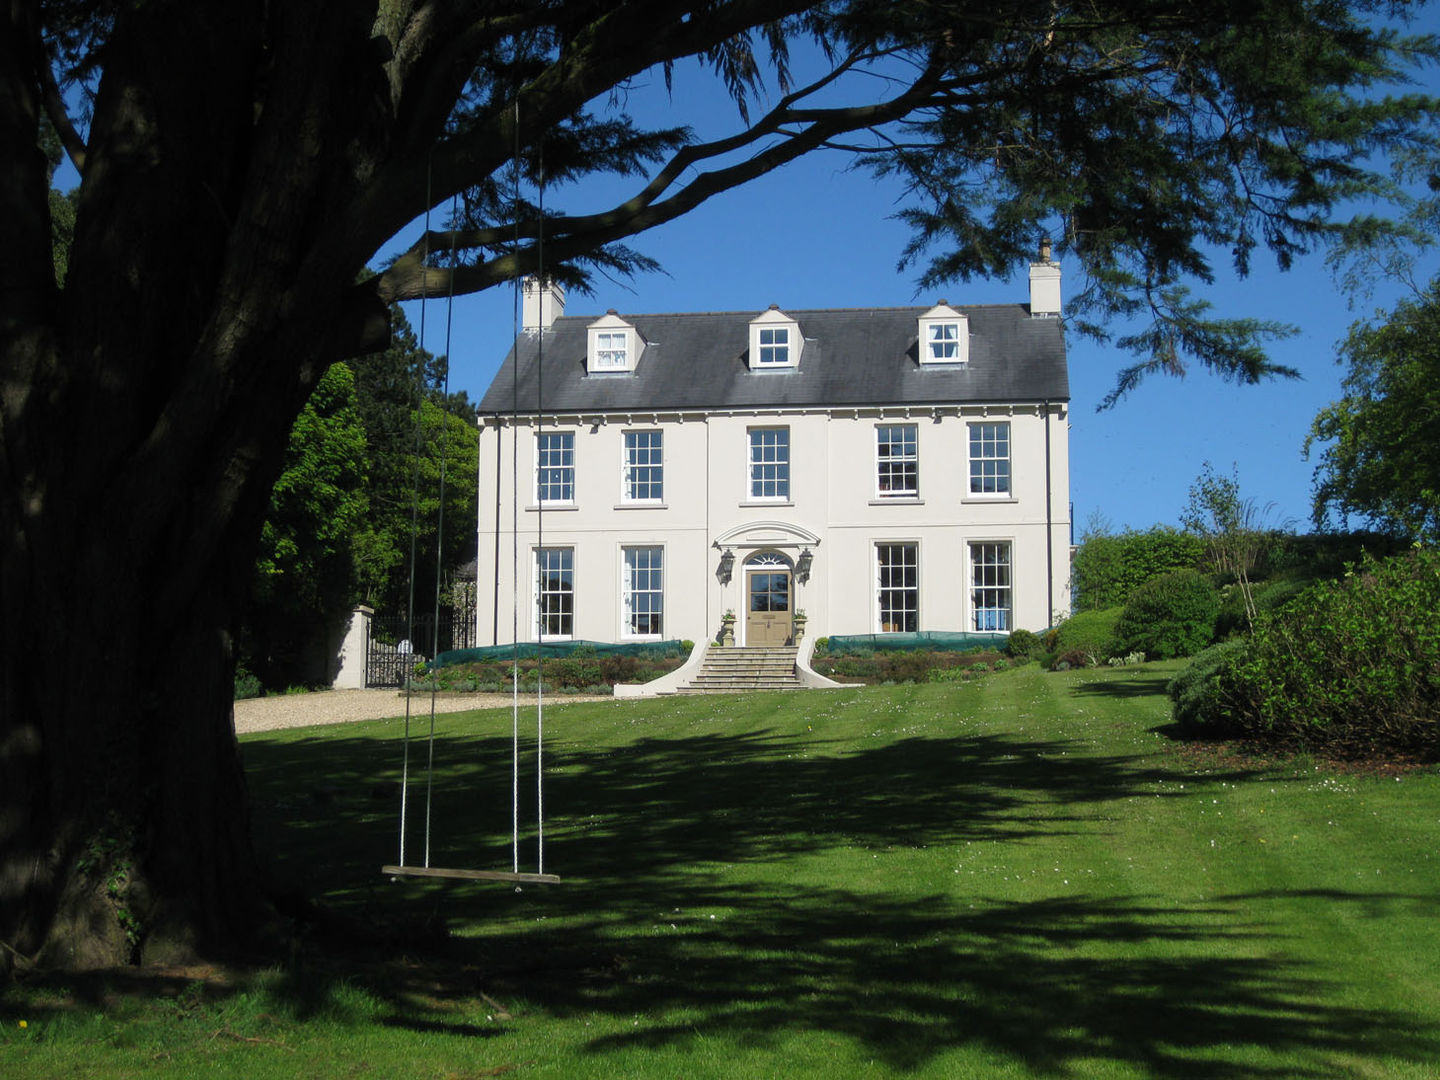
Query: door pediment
761, 534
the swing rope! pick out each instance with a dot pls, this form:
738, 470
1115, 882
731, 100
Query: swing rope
426, 870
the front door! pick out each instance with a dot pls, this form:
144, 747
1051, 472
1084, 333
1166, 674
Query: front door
767, 620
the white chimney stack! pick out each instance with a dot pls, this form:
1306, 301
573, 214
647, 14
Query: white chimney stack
541, 305
1044, 284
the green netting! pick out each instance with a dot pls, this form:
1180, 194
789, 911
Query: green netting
933, 640
528, 650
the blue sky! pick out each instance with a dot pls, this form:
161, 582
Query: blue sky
817, 234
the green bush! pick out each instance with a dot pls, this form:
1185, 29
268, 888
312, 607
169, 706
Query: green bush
1085, 639
1022, 645
899, 666
247, 684
1350, 668
1169, 616
1269, 596
1202, 693
1107, 569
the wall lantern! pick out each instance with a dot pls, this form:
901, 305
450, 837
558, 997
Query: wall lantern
727, 565
802, 567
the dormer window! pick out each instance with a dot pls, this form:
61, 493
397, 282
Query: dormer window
614, 345
944, 336
775, 341
775, 346
611, 351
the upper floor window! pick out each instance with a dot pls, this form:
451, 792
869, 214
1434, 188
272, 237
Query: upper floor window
555, 467
769, 463
990, 458
944, 336
774, 346
897, 468
644, 467
775, 341
611, 351
614, 345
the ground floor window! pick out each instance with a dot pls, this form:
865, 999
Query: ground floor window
990, 586
898, 587
555, 591
642, 591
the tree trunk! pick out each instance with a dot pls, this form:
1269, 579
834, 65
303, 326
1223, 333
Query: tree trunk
123, 818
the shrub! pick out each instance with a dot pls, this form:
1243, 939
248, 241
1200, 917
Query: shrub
1351, 667
247, 684
1074, 658
1089, 636
886, 666
1170, 615
1022, 644
1203, 693
1269, 596
1107, 569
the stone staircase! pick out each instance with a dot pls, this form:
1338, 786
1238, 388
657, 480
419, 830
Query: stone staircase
738, 670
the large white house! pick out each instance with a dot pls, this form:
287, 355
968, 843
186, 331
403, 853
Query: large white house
880, 470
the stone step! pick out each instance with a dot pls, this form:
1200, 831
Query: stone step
738, 669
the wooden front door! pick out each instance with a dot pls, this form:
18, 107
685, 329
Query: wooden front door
768, 616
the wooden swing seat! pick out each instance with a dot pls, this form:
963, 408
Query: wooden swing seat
470, 875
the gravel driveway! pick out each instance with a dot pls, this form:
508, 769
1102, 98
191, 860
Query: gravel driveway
341, 706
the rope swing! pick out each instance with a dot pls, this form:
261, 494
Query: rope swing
425, 870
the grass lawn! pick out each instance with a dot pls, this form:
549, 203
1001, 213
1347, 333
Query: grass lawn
1018, 877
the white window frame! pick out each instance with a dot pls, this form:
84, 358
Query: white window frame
773, 472
992, 586
891, 597
611, 350
887, 463
774, 344
654, 555
543, 595
564, 470
943, 343
990, 471
643, 468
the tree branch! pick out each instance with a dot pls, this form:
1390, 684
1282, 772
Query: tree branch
58, 115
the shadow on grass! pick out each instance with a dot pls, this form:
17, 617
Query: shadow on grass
683, 904
1140, 684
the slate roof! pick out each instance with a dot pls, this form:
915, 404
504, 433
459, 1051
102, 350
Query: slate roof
852, 358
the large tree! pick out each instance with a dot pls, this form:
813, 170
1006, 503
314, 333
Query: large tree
242, 160
1380, 442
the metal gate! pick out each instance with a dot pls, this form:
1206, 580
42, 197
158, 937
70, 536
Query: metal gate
395, 646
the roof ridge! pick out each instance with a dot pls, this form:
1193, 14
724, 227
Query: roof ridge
788, 311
